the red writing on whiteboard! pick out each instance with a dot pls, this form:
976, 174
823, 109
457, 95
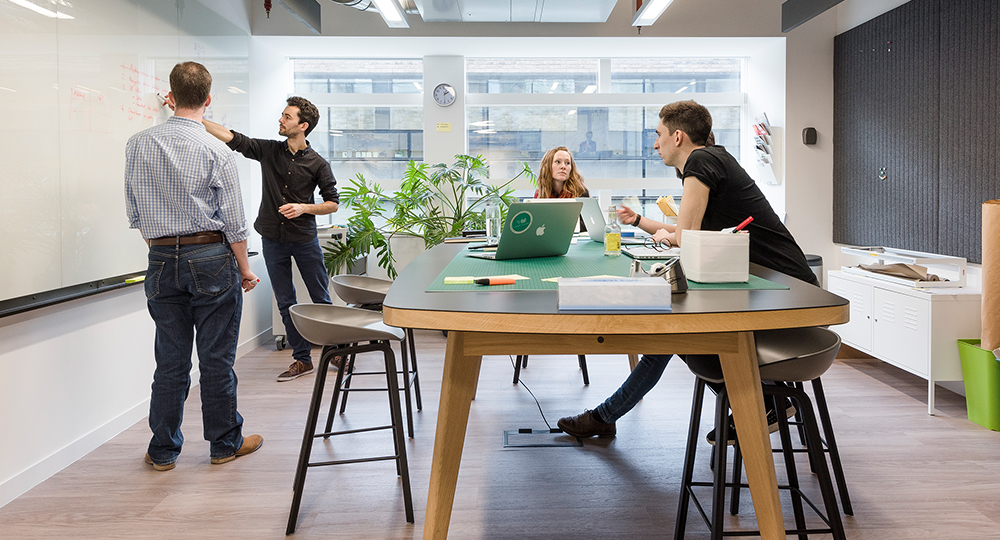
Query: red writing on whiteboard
90, 110
141, 88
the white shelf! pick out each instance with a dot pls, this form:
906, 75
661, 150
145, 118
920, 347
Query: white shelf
883, 255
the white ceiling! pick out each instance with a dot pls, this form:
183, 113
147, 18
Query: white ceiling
543, 11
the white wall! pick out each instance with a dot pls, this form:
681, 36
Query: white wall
74, 375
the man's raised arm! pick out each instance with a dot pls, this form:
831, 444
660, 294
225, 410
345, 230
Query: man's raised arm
217, 130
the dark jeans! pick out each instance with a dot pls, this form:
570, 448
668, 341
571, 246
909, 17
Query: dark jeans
309, 259
642, 379
193, 295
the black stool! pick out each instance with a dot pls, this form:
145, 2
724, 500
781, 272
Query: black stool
522, 361
791, 355
829, 447
367, 292
341, 330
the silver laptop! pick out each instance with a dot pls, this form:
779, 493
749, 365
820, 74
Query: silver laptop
595, 221
541, 229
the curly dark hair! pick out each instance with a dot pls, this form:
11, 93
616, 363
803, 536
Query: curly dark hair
308, 113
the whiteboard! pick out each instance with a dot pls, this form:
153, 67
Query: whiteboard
73, 90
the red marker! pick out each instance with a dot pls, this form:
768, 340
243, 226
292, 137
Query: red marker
744, 224
495, 281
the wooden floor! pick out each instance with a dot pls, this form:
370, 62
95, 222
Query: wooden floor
910, 475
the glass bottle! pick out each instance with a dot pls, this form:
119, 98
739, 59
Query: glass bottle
612, 234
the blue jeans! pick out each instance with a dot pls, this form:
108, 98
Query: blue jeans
642, 379
309, 259
193, 295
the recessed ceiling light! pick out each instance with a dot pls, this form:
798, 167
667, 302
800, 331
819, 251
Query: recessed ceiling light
649, 12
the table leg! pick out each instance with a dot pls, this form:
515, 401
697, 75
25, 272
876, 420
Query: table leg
458, 387
743, 385
633, 359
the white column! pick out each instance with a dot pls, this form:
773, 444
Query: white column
444, 127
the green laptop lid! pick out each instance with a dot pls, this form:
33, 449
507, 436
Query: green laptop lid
539, 229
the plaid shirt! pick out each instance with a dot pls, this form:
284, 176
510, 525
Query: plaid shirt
181, 180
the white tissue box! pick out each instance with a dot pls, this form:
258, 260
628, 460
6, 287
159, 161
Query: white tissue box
715, 257
609, 293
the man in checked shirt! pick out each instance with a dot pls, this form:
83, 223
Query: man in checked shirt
182, 192
291, 171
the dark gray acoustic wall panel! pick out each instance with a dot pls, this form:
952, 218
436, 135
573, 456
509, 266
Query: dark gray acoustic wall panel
917, 91
885, 129
970, 122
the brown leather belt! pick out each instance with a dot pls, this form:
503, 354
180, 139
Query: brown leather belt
193, 238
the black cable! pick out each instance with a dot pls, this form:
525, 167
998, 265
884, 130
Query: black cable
520, 382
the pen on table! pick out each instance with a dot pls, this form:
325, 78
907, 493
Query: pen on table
744, 224
495, 281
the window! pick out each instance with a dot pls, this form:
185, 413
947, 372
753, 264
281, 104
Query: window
606, 142
675, 75
357, 76
531, 75
377, 142
355, 136
610, 132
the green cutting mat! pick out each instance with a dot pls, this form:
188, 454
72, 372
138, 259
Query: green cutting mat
582, 260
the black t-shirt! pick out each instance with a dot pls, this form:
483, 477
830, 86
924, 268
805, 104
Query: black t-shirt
733, 197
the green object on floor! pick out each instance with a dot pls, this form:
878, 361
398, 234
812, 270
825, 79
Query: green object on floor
981, 372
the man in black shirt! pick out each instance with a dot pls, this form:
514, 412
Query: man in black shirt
291, 171
718, 194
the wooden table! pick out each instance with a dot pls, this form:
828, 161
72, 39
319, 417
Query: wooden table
529, 322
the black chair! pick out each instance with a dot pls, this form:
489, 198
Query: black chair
790, 355
365, 292
347, 331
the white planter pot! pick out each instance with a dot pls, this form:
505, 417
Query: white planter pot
405, 248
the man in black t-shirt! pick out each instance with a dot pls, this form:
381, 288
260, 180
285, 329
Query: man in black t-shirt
718, 194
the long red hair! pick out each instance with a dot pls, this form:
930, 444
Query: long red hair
573, 184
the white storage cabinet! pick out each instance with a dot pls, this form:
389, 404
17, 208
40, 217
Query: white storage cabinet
912, 329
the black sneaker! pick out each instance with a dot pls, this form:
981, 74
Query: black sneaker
772, 425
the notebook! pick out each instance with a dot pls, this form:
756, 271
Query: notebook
540, 229
594, 218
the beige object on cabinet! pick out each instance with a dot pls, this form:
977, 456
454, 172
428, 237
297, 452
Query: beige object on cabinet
991, 275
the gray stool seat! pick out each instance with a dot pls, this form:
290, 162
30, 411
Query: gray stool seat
326, 324
360, 290
788, 354
783, 356
368, 293
344, 331
795, 354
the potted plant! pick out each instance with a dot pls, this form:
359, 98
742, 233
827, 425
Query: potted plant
433, 202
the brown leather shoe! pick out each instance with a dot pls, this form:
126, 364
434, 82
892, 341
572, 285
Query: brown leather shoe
159, 467
294, 371
337, 362
250, 445
584, 425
